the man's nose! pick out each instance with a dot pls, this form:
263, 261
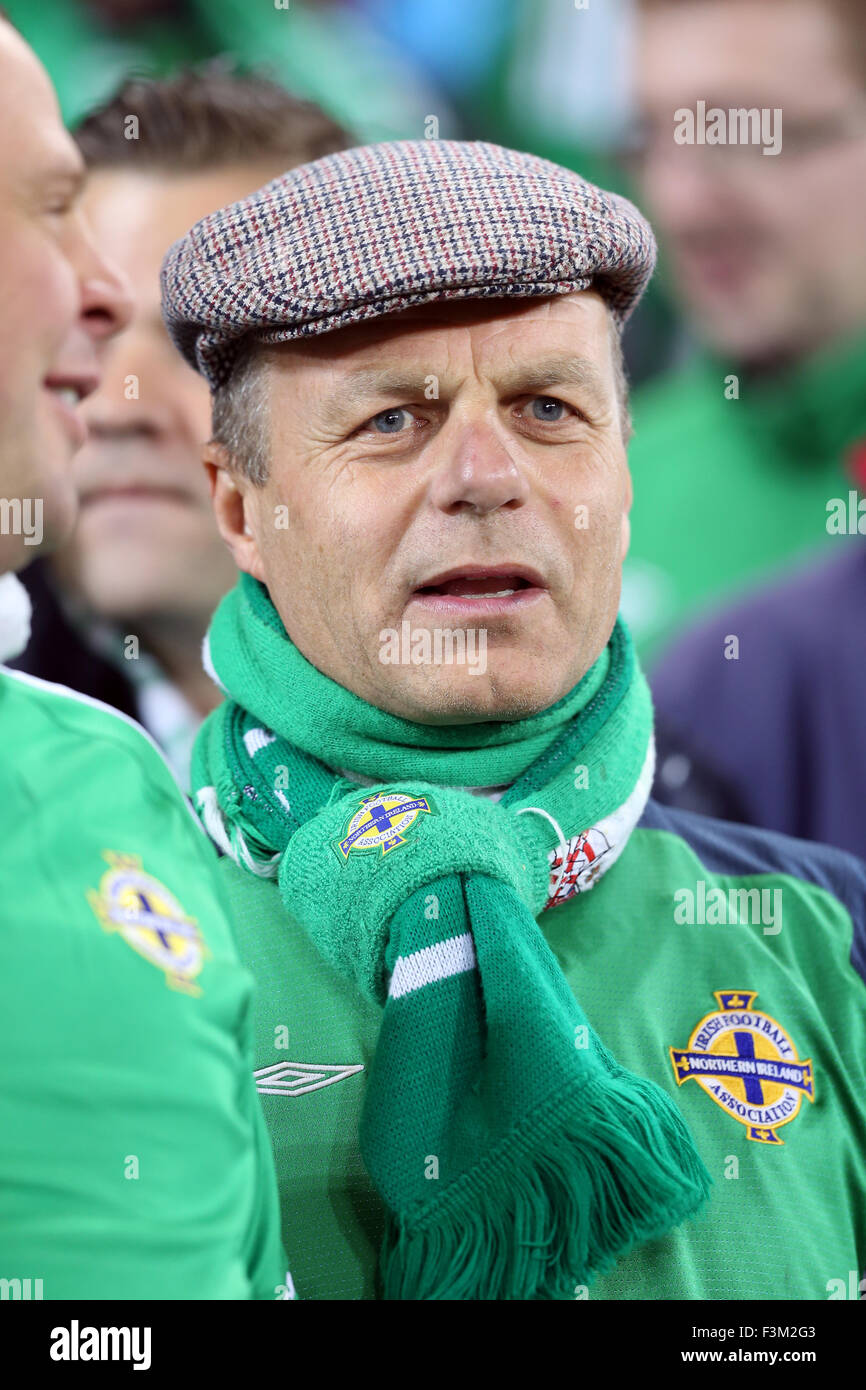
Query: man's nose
683, 190
106, 295
114, 410
480, 470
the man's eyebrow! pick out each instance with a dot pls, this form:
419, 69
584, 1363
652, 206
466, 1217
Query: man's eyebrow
70, 175
369, 382
557, 369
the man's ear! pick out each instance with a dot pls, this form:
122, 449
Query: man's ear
234, 503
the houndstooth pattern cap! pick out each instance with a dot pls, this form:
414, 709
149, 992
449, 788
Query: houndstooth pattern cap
375, 229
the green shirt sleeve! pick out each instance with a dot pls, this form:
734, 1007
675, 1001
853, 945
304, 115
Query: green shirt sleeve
132, 1163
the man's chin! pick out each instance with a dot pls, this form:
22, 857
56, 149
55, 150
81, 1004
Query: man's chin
745, 327
129, 603
450, 696
48, 519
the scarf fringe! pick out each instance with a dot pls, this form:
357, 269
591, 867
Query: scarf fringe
618, 1169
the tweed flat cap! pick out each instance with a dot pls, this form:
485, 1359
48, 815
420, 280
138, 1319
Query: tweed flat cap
372, 230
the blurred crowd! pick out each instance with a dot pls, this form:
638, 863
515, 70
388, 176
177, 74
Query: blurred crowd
746, 576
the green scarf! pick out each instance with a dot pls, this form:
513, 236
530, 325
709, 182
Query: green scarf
515, 1157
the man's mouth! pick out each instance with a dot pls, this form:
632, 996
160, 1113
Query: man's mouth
476, 588
67, 392
721, 262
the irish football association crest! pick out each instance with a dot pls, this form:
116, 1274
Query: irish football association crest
150, 919
747, 1063
382, 823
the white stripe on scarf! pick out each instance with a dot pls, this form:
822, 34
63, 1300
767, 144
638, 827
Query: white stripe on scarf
446, 958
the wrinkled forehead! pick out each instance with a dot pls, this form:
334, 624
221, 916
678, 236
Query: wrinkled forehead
493, 333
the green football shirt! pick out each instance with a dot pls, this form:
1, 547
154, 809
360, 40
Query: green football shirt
750, 1015
133, 1158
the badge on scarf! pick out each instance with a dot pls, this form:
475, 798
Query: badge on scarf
382, 823
747, 1064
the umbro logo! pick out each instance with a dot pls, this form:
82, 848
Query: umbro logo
296, 1078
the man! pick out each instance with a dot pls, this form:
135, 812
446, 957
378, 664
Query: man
435, 730
133, 1161
122, 610
760, 212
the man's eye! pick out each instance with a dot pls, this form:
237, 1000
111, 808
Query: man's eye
547, 408
391, 421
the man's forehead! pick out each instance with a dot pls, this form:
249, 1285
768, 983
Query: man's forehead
506, 351
148, 208
781, 63
36, 145
578, 320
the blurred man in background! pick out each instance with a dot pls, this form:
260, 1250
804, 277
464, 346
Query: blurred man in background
750, 451
123, 609
741, 450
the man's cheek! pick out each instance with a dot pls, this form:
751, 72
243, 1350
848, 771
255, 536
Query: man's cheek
23, 364
44, 293
595, 516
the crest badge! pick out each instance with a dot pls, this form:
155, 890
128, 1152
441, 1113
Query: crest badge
382, 823
747, 1063
150, 919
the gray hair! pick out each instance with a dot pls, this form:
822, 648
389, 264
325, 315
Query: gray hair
620, 378
240, 416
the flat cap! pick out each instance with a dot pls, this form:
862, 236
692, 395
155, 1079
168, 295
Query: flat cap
373, 230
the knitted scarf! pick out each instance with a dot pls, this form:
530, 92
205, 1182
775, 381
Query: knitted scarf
515, 1157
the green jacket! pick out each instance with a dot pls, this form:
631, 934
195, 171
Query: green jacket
777, 1105
134, 1162
730, 489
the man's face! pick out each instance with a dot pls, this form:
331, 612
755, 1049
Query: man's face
145, 543
59, 300
767, 251
455, 468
